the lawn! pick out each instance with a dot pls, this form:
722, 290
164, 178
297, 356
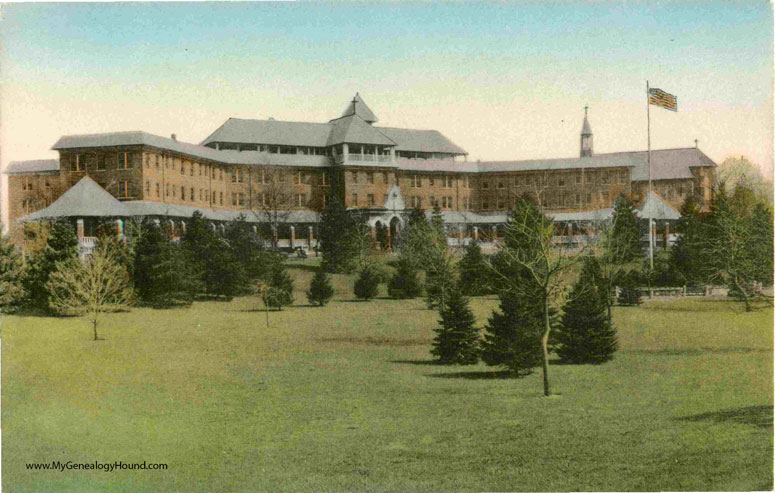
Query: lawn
344, 398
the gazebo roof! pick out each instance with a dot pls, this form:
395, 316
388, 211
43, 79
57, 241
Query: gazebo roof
84, 199
656, 208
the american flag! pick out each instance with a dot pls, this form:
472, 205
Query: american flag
658, 97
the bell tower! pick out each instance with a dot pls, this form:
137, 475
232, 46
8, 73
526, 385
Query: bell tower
586, 136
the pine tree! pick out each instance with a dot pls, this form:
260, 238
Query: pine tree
163, 275
214, 259
474, 272
62, 245
246, 247
280, 292
624, 241
405, 283
457, 339
686, 254
586, 334
12, 292
344, 238
320, 289
512, 337
366, 286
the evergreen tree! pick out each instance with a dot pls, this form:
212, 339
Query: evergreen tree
121, 250
12, 292
629, 294
344, 237
320, 289
512, 337
586, 334
366, 286
457, 339
62, 245
474, 271
280, 292
163, 275
214, 259
625, 237
246, 247
405, 283
686, 254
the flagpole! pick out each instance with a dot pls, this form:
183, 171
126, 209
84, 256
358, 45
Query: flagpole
648, 132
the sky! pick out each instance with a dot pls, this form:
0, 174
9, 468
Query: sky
505, 81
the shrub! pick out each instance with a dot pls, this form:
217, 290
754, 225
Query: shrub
280, 291
12, 292
367, 285
320, 289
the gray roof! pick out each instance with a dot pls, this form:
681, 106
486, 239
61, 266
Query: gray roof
353, 130
34, 166
421, 140
666, 164
238, 130
84, 199
436, 165
656, 208
358, 107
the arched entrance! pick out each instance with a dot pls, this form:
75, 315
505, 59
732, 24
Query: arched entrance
395, 230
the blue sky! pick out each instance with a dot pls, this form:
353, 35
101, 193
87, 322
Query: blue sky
503, 80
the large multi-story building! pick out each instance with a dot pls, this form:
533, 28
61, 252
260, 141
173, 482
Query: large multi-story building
262, 165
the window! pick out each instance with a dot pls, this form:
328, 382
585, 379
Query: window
606, 177
147, 160
370, 198
465, 203
354, 200
301, 199
578, 178
501, 183
416, 181
485, 184
385, 177
158, 190
221, 195
78, 162
101, 163
241, 175
622, 177
588, 198
122, 160
234, 175
167, 190
605, 196
370, 177
501, 203
485, 204
561, 181
182, 193
201, 194
47, 184
416, 202
182, 168
448, 181
578, 198
191, 168
123, 189
354, 176
431, 180
157, 161
233, 199
147, 187
193, 197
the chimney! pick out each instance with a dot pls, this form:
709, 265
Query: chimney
174, 137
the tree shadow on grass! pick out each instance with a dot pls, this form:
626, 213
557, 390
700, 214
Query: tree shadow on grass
418, 362
308, 267
476, 375
759, 416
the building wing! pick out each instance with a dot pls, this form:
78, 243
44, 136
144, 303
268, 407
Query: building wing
34, 166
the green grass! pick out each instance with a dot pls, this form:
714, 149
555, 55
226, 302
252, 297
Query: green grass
343, 398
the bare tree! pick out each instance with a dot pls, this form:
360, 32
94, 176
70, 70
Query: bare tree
540, 267
90, 288
274, 198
